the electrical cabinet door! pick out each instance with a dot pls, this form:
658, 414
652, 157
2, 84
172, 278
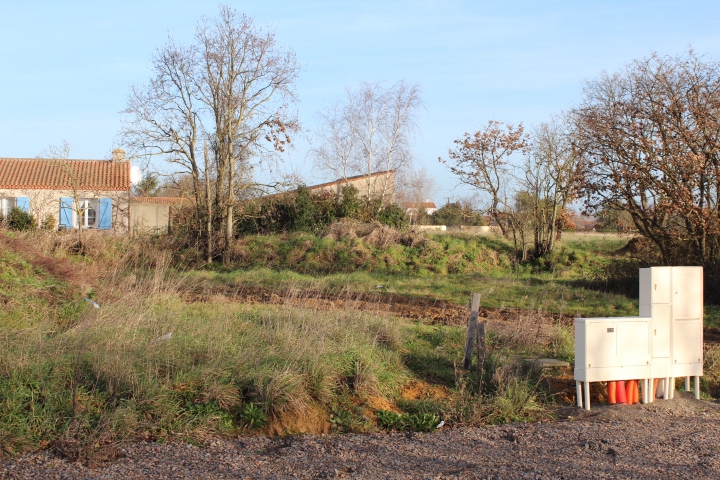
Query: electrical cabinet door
655, 285
687, 341
633, 342
687, 293
601, 344
660, 330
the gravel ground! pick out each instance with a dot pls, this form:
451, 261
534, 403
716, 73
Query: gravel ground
679, 438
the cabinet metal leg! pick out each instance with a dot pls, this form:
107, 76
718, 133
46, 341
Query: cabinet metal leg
587, 395
672, 388
578, 393
697, 387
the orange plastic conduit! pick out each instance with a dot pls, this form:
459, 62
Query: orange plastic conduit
620, 392
612, 393
655, 385
631, 392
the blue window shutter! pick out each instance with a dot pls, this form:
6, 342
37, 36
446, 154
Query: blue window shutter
105, 214
23, 203
66, 212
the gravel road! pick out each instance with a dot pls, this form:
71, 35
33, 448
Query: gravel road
678, 438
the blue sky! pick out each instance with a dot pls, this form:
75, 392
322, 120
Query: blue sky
66, 67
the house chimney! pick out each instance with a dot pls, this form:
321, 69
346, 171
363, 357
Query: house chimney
118, 155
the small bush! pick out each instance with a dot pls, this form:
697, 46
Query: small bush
394, 216
422, 422
19, 219
516, 401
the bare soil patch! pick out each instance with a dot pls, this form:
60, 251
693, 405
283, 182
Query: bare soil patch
430, 311
434, 312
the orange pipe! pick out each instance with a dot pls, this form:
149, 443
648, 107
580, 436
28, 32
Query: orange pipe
631, 392
612, 393
620, 392
655, 385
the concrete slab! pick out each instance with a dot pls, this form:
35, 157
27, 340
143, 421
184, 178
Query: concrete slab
546, 362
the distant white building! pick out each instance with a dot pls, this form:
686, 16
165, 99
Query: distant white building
413, 208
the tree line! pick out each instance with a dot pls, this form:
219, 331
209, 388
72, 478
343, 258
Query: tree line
641, 145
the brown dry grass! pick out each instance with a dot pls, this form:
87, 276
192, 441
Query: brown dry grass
375, 234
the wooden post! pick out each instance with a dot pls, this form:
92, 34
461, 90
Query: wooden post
481, 353
472, 331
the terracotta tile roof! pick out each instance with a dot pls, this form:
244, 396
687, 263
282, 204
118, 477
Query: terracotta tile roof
40, 173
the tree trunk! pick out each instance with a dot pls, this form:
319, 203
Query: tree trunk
209, 206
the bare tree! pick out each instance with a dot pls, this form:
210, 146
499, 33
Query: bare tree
482, 160
232, 88
649, 137
370, 132
402, 102
166, 115
526, 199
338, 137
416, 186
248, 83
551, 179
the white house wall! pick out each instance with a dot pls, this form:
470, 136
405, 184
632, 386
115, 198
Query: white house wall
47, 202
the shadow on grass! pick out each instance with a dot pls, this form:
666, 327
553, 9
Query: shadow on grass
431, 368
432, 351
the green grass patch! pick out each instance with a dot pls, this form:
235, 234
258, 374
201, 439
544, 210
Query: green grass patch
30, 297
150, 365
447, 267
161, 367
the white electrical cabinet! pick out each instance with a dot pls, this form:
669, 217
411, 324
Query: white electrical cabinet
673, 298
612, 348
664, 342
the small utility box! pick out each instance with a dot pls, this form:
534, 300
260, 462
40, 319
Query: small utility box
664, 342
612, 348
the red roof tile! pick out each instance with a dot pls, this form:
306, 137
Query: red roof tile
40, 173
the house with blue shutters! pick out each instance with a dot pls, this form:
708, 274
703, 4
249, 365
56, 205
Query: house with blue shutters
70, 194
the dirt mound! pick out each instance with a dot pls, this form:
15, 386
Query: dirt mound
374, 233
435, 312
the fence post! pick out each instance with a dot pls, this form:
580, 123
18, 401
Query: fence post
481, 353
472, 331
